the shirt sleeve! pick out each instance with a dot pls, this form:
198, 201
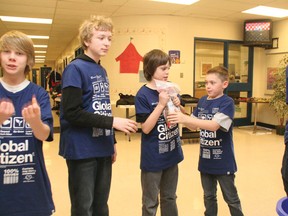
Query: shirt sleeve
142, 109
223, 120
43, 100
71, 103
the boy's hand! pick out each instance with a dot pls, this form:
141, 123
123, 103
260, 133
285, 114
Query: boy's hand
125, 125
32, 115
6, 110
176, 117
31, 112
114, 156
163, 98
176, 101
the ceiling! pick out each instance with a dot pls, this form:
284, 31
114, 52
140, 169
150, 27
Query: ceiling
68, 14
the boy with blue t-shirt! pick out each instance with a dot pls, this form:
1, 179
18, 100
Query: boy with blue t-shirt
214, 116
160, 144
284, 168
25, 122
87, 139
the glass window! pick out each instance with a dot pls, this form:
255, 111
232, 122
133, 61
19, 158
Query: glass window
240, 99
238, 63
208, 54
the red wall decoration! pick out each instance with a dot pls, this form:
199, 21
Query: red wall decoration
129, 60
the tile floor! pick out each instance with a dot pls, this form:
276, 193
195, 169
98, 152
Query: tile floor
258, 178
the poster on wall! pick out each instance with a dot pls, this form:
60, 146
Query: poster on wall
175, 56
270, 79
205, 66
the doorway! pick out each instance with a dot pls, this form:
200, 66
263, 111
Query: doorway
238, 59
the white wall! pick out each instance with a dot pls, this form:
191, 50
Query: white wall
177, 33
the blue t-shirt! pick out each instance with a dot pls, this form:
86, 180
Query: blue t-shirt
24, 184
161, 148
286, 134
216, 147
85, 142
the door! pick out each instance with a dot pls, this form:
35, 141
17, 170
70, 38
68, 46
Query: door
44, 72
238, 59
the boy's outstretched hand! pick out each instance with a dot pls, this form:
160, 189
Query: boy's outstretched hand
125, 125
6, 110
176, 117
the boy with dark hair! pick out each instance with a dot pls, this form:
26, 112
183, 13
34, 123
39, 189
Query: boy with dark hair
160, 144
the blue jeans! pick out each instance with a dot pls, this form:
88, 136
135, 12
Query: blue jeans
229, 191
163, 182
89, 186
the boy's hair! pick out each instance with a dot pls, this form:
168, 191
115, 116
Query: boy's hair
221, 72
100, 23
152, 60
20, 42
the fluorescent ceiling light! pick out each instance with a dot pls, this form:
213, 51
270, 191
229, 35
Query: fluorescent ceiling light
267, 11
38, 37
184, 2
25, 20
40, 56
41, 46
40, 51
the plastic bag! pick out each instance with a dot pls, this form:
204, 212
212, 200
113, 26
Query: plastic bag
173, 90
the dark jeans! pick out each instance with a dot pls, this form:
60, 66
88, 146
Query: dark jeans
164, 183
229, 191
89, 186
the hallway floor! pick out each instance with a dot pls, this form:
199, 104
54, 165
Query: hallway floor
258, 179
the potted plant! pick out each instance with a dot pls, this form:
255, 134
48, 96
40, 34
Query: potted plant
278, 98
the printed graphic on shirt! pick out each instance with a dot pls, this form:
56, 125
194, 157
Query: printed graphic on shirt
7, 123
211, 145
16, 157
206, 153
167, 136
101, 102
